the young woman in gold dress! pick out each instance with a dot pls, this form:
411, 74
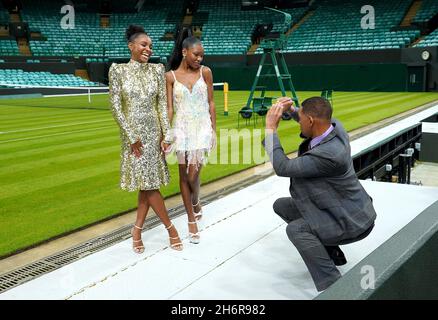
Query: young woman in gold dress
138, 103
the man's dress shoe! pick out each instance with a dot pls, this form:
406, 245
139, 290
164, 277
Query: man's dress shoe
336, 255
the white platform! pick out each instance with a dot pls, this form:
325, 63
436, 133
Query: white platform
429, 127
244, 251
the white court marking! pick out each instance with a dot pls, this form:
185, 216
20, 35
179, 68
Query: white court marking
55, 134
59, 126
74, 94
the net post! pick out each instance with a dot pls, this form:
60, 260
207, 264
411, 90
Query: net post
225, 98
89, 95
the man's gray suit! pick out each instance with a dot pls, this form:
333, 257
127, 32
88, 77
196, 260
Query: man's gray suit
328, 205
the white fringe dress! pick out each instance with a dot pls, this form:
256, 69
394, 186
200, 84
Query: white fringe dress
192, 128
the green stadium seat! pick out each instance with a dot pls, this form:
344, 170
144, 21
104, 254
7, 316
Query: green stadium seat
19, 77
428, 9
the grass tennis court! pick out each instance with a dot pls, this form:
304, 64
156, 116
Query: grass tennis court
59, 157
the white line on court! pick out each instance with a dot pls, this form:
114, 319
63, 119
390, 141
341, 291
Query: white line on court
53, 135
73, 95
59, 126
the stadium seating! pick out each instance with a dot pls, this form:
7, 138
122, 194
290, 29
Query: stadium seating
18, 77
428, 9
429, 40
227, 31
342, 30
89, 60
88, 38
228, 28
9, 48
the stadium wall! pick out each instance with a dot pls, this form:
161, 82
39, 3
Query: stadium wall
363, 77
53, 64
98, 72
338, 57
404, 267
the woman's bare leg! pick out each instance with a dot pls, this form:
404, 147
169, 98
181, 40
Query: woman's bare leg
186, 192
156, 201
195, 186
142, 211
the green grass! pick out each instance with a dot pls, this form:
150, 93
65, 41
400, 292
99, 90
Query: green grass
59, 158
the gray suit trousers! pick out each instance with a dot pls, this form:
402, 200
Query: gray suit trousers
321, 267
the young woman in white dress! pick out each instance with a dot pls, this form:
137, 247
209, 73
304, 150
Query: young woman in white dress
192, 109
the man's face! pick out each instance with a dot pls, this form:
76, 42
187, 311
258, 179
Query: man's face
306, 123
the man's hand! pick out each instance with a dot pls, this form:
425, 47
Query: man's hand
273, 116
287, 103
136, 148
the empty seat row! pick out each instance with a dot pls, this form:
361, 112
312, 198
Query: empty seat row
11, 77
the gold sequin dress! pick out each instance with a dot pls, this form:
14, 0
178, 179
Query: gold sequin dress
138, 103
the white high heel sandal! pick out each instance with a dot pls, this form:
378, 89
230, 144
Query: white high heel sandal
198, 215
194, 237
137, 249
175, 246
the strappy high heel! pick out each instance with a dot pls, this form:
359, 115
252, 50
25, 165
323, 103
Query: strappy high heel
198, 215
194, 237
175, 246
136, 249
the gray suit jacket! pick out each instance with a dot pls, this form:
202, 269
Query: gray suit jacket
324, 186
